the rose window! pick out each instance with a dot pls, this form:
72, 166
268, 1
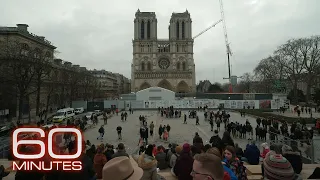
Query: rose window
164, 63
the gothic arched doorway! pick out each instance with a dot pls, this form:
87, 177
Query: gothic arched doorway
165, 84
144, 85
182, 87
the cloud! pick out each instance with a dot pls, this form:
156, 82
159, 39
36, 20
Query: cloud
98, 34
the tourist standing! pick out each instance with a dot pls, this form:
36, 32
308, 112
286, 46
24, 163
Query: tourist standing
168, 129
197, 120
151, 126
101, 132
160, 131
119, 129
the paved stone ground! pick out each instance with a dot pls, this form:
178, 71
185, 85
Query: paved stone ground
180, 132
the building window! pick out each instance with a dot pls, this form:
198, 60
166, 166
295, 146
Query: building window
184, 48
142, 30
178, 66
142, 66
24, 49
183, 66
37, 53
183, 30
149, 48
148, 30
177, 48
149, 66
177, 30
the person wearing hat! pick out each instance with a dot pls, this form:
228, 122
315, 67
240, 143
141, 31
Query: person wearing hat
183, 166
174, 158
120, 168
175, 155
277, 167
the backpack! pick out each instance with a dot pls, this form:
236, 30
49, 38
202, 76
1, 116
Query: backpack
100, 130
242, 175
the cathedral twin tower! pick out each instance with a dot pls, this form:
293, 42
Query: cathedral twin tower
166, 63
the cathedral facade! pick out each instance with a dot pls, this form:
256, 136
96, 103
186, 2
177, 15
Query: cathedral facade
166, 63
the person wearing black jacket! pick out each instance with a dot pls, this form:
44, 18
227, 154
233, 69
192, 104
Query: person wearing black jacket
294, 158
198, 143
227, 140
216, 141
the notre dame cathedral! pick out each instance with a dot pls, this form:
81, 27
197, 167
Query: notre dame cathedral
166, 63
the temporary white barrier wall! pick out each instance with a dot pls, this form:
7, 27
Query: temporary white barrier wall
195, 103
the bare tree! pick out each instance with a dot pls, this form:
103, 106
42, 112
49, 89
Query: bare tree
87, 85
75, 83
309, 51
267, 72
245, 84
42, 67
18, 70
288, 56
50, 87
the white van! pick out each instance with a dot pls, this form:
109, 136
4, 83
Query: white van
63, 114
79, 110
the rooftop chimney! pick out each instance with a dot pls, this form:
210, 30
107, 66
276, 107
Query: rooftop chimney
68, 64
76, 66
58, 61
83, 68
22, 27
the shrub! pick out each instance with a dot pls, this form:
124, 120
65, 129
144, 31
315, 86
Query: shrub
265, 113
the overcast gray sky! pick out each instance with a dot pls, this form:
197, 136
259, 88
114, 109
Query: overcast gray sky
98, 33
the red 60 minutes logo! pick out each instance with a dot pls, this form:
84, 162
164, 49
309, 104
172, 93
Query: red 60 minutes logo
67, 161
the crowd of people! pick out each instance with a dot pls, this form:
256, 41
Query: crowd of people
169, 112
220, 159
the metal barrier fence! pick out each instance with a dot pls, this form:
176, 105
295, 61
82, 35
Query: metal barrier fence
308, 148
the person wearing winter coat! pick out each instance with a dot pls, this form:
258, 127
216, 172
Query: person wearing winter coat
228, 173
183, 166
239, 151
216, 141
293, 157
148, 164
227, 140
197, 143
98, 162
252, 154
265, 150
175, 156
161, 158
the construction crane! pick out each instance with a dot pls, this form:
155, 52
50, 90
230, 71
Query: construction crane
213, 25
229, 53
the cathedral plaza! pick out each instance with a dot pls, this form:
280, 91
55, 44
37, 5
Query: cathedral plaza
179, 133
